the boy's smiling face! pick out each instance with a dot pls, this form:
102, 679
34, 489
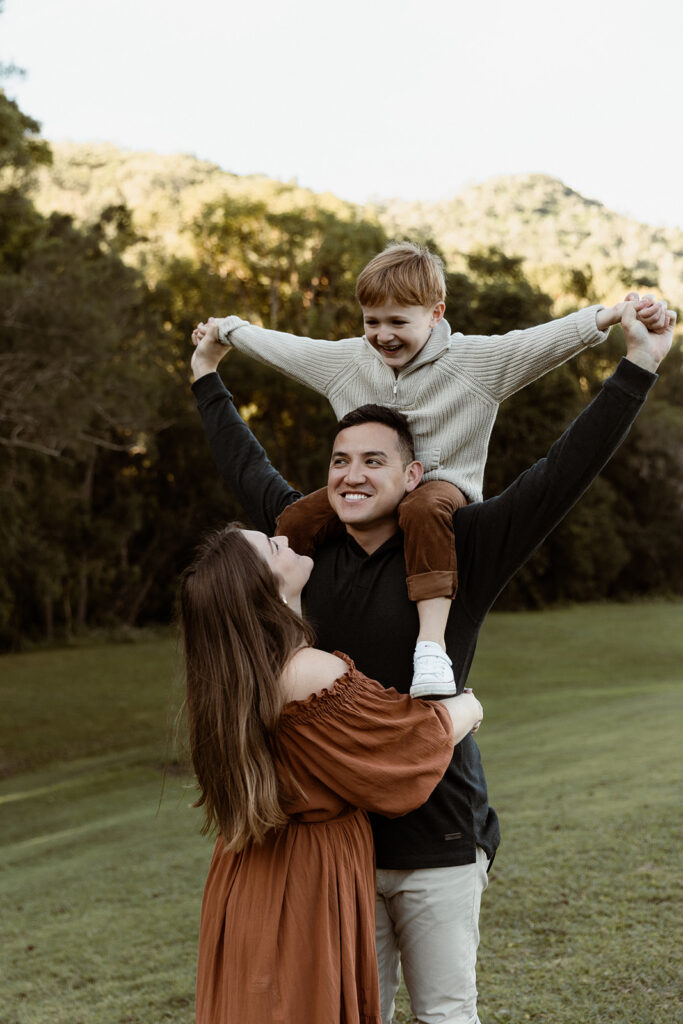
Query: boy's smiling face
398, 333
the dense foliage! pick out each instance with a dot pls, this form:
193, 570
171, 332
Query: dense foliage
106, 262
570, 245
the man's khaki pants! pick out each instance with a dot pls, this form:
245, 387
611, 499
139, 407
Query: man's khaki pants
428, 924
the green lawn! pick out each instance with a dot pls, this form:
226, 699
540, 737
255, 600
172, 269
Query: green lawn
101, 876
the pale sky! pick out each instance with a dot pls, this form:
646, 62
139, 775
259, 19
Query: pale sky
371, 98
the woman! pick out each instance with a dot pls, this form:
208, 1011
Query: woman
291, 747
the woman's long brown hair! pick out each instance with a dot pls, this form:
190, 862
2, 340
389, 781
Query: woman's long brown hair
238, 636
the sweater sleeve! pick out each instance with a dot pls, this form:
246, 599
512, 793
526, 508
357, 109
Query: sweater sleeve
306, 360
505, 363
495, 537
242, 462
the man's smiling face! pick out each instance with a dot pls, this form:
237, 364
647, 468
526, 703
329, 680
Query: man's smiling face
366, 480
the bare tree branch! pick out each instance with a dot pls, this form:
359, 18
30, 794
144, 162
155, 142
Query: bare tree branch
13, 442
100, 442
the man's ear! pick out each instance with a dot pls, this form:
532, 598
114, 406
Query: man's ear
414, 474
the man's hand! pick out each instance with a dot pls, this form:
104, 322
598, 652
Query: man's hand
651, 312
645, 345
208, 349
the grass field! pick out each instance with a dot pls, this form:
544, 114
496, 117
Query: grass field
101, 876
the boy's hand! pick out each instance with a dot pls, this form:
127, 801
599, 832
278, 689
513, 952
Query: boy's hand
201, 329
650, 311
208, 349
646, 346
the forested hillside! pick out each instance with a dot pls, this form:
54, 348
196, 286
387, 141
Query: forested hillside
561, 236
570, 246
107, 259
166, 194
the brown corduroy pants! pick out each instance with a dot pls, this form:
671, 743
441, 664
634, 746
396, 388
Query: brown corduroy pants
425, 517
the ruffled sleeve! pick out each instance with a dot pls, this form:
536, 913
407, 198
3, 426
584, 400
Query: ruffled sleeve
375, 748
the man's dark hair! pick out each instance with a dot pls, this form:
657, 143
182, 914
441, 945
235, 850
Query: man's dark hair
391, 418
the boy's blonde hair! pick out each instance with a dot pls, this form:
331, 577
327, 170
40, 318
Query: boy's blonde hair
405, 273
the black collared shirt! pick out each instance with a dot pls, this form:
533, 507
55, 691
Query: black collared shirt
358, 603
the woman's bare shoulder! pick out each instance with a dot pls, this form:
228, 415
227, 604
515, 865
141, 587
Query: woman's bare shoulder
311, 671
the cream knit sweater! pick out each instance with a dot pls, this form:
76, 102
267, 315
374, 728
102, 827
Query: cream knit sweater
450, 392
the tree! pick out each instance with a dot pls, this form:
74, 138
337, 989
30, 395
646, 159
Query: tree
294, 271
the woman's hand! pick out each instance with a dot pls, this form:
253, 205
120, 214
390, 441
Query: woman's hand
466, 714
476, 725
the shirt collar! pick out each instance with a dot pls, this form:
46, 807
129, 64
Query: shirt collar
395, 541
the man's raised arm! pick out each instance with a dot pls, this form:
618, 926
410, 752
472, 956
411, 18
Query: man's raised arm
495, 537
242, 462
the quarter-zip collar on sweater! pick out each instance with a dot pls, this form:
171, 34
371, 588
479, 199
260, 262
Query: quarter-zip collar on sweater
439, 341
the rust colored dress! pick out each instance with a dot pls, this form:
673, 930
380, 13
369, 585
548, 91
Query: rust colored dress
287, 932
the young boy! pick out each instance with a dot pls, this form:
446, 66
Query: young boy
448, 386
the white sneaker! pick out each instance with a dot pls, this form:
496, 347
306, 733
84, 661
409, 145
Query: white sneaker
432, 672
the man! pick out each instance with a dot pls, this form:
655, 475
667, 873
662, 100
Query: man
432, 863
